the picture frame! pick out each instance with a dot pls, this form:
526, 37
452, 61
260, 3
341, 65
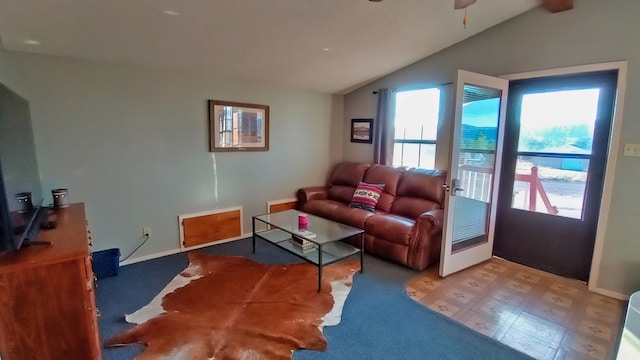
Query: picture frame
362, 131
235, 126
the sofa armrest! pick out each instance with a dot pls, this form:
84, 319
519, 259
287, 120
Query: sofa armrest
311, 193
434, 217
424, 246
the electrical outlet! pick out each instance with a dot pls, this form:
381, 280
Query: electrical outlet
631, 149
146, 231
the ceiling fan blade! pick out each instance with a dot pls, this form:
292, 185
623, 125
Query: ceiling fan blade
461, 4
555, 6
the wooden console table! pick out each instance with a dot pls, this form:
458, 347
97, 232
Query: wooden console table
47, 299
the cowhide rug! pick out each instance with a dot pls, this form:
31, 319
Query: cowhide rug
227, 307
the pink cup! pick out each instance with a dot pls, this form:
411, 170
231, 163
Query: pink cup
303, 221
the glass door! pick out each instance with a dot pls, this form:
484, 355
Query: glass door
556, 143
472, 181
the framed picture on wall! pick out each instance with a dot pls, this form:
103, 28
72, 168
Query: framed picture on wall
238, 126
362, 131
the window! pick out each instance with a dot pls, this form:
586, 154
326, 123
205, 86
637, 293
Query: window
416, 128
478, 141
555, 150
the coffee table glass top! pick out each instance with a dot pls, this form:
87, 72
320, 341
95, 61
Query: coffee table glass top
284, 224
326, 231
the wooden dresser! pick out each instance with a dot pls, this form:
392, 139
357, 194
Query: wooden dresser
47, 299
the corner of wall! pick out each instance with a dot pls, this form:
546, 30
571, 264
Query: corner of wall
3, 71
336, 137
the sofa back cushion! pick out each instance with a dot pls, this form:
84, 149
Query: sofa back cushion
419, 190
390, 177
423, 183
344, 179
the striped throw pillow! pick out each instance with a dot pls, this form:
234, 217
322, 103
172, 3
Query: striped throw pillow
366, 196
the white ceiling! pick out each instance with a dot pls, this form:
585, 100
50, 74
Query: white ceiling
279, 42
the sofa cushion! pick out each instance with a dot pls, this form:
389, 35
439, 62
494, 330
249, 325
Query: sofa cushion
390, 177
348, 173
423, 183
393, 228
412, 207
322, 208
341, 193
337, 211
351, 216
366, 196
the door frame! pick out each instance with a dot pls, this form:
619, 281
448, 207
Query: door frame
612, 156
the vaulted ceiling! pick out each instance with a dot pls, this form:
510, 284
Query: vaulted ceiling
323, 45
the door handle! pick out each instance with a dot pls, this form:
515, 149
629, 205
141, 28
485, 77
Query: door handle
456, 187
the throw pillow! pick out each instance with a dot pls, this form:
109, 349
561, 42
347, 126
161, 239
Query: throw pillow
366, 196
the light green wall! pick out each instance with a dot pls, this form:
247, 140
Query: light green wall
132, 143
595, 31
3, 74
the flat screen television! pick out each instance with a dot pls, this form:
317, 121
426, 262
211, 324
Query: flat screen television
20, 220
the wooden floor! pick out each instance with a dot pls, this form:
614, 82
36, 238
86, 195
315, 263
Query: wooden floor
541, 314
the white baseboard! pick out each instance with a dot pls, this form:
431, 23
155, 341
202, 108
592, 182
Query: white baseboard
149, 257
178, 250
609, 293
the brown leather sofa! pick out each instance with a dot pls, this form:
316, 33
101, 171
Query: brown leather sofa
406, 225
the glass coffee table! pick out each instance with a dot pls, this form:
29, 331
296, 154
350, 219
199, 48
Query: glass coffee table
322, 238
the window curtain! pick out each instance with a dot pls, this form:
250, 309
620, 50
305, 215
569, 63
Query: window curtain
383, 128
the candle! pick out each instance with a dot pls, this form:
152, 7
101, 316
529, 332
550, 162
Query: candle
303, 221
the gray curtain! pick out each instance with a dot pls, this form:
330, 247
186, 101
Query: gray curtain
383, 128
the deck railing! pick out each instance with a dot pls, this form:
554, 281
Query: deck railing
477, 181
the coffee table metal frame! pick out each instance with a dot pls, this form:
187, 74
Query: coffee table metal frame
281, 226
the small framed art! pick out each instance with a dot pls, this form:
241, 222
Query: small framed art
362, 131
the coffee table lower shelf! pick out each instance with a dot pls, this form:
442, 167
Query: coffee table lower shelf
321, 255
